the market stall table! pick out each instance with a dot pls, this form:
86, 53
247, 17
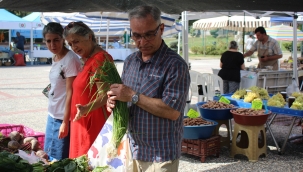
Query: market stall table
273, 81
297, 114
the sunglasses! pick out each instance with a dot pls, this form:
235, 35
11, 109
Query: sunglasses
72, 24
148, 36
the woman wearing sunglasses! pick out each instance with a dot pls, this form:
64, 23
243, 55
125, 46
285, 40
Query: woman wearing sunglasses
65, 67
88, 117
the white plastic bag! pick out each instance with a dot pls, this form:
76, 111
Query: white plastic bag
31, 158
293, 87
98, 156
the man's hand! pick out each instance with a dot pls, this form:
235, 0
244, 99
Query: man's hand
64, 129
265, 59
118, 92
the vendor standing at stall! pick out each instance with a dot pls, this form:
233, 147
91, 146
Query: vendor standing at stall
20, 41
268, 49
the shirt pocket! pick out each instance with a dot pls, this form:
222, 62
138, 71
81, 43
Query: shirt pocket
152, 86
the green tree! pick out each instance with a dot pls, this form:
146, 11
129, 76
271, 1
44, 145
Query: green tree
214, 33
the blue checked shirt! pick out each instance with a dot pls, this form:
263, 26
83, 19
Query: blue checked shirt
164, 76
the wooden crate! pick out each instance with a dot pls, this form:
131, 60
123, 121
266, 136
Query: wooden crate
202, 147
7, 63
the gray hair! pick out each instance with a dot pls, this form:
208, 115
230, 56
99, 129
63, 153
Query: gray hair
78, 28
53, 28
143, 11
233, 45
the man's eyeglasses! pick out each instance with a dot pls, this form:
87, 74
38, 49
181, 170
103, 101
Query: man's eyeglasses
72, 24
148, 36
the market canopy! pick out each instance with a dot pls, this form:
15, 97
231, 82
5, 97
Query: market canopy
236, 23
166, 19
167, 6
93, 22
282, 32
118, 22
11, 21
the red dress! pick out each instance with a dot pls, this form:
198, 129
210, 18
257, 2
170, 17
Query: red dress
84, 131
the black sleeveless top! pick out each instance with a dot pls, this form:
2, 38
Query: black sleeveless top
231, 66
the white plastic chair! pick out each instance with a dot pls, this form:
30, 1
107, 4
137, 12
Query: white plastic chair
210, 83
196, 78
215, 71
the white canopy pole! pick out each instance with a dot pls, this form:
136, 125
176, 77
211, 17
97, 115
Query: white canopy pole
107, 35
9, 38
31, 52
185, 36
295, 68
185, 50
179, 40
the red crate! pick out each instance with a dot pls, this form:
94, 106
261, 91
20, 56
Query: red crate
5, 129
202, 147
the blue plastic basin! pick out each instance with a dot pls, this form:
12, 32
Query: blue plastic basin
214, 114
199, 132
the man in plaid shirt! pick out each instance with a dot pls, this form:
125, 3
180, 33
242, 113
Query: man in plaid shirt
155, 83
269, 51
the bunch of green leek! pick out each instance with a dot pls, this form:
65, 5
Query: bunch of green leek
106, 75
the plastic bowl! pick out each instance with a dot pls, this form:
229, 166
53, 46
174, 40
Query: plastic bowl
199, 132
251, 120
214, 114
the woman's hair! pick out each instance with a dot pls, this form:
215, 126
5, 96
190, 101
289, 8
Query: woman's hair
53, 28
233, 45
143, 11
78, 28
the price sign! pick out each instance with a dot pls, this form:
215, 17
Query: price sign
224, 100
256, 104
192, 113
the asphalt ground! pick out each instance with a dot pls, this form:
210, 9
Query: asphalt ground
22, 102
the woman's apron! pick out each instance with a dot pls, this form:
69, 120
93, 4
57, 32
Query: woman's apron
264, 52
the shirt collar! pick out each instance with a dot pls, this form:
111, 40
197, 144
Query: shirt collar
158, 54
269, 39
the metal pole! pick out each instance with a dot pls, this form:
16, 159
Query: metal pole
185, 50
185, 36
295, 69
243, 35
203, 40
31, 52
107, 32
179, 40
204, 35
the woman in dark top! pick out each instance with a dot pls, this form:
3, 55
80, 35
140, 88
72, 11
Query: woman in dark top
231, 63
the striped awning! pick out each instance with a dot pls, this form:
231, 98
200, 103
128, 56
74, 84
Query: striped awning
117, 25
236, 23
168, 21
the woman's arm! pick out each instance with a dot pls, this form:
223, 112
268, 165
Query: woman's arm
100, 100
94, 104
64, 128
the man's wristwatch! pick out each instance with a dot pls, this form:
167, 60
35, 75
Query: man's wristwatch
135, 98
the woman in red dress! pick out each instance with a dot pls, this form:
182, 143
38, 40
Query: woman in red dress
88, 117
